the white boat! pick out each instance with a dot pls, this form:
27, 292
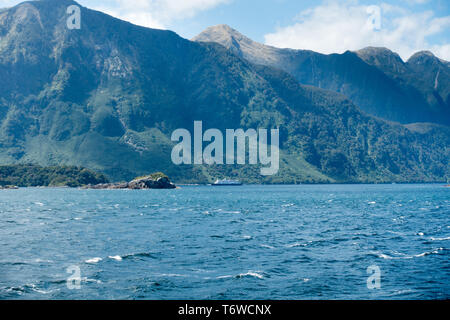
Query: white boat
227, 182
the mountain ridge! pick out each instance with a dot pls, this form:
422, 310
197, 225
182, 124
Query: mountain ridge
108, 97
375, 79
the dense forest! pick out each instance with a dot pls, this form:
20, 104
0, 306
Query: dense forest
57, 176
111, 100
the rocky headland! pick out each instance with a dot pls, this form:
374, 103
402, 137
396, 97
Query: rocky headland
153, 181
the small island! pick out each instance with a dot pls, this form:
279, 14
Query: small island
153, 181
29, 175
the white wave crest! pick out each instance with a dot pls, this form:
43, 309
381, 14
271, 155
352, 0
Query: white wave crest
94, 260
117, 258
423, 254
439, 239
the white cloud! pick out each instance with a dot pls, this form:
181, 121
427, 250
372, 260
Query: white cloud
442, 51
156, 13
148, 13
335, 27
8, 3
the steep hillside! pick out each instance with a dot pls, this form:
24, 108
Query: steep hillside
108, 97
423, 73
375, 79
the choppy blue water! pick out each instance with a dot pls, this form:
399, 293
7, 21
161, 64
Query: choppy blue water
248, 242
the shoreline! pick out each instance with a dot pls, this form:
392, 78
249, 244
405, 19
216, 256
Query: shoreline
180, 185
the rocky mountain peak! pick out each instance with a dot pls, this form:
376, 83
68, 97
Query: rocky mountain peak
424, 57
221, 31
240, 44
382, 57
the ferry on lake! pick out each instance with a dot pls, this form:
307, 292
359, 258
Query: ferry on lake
227, 182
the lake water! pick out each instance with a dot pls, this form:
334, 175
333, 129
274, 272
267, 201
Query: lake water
248, 242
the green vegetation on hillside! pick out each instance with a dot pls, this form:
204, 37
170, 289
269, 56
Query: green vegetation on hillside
57, 176
109, 96
154, 176
375, 79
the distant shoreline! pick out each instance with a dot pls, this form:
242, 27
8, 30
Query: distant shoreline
321, 183
180, 185
29, 175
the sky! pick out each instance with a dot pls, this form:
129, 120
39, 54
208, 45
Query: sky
327, 26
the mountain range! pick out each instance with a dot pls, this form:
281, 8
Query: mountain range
108, 96
375, 79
